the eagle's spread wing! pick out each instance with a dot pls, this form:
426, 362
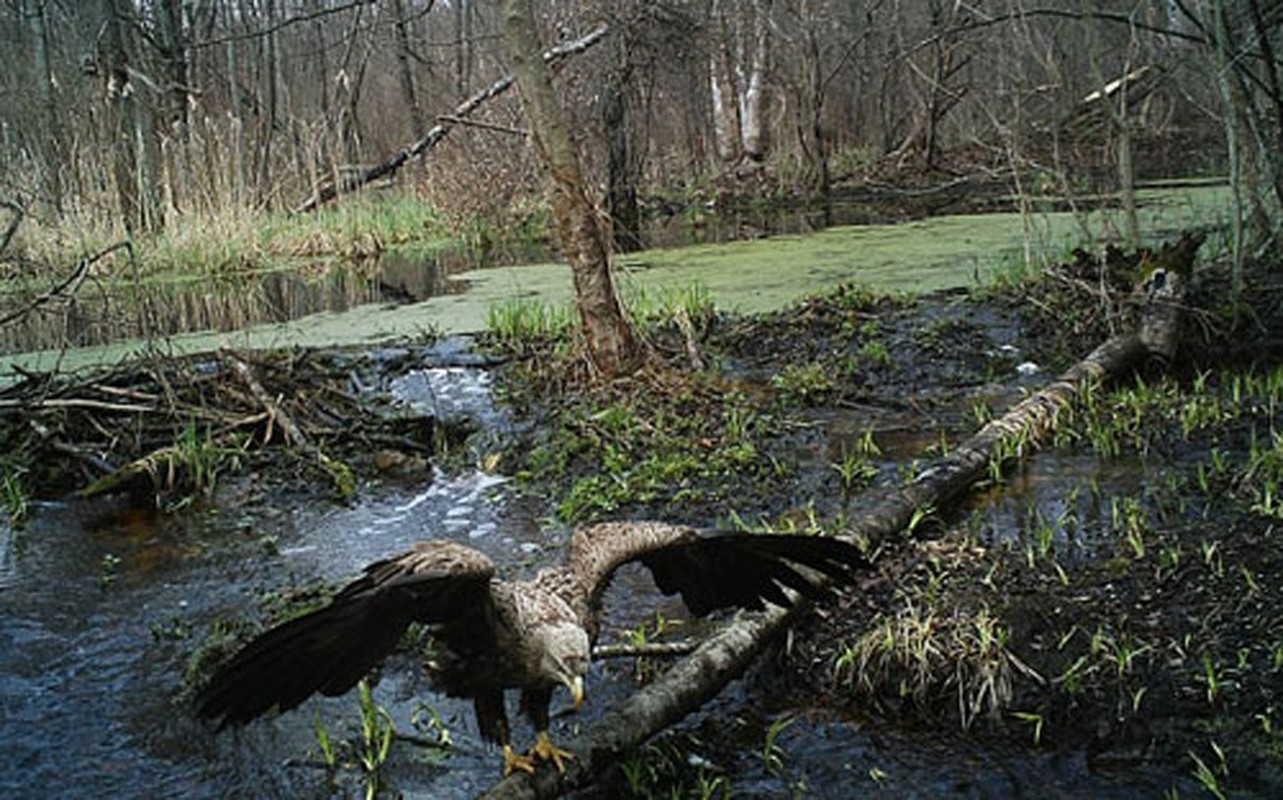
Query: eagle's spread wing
330, 649
712, 570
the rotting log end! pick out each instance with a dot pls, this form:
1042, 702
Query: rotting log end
1161, 291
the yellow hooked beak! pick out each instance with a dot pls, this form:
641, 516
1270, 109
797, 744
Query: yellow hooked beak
576, 687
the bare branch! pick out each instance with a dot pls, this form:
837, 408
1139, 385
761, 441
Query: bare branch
388, 167
68, 286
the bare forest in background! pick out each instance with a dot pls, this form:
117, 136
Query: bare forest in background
126, 115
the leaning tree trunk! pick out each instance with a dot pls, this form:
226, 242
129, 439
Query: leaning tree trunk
612, 344
882, 515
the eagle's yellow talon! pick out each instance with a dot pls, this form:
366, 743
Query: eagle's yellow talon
545, 749
513, 761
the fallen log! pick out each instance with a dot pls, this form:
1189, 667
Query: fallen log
882, 515
389, 166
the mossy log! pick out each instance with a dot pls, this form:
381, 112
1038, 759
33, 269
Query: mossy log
879, 517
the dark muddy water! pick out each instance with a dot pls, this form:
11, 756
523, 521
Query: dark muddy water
101, 605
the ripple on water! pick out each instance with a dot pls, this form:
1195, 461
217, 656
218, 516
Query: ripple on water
448, 393
89, 668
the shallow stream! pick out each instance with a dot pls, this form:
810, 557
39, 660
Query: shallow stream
101, 605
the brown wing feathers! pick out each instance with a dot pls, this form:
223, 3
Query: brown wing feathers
723, 570
449, 585
329, 650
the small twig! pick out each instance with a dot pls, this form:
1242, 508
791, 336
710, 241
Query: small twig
77, 402
132, 394
683, 321
293, 434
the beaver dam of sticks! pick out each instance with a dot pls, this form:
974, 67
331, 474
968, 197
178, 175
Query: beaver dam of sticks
1116, 594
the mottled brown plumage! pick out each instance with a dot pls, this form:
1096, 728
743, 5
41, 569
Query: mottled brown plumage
493, 635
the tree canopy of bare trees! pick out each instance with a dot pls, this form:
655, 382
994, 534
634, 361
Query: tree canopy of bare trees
141, 113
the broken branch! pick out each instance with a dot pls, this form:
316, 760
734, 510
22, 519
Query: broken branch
430, 139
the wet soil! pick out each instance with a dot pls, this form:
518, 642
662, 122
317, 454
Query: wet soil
1107, 618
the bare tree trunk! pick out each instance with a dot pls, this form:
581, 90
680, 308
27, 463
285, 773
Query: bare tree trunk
54, 150
348, 83
404, 55
122, 115
237, 104
754, 98
621, 177
724, 90
1274, 89
819, 137
738, 78
323, 151
173, 43
463, 47
612, 344
271, 111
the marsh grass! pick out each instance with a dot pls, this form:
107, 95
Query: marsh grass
377, 733
236, 239
522, 322
666, 304
663, 770
924, 652
1232, 413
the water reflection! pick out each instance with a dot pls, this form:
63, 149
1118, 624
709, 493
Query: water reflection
113, 309
110, 307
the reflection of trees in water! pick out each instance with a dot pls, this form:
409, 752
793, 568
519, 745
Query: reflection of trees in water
106, 313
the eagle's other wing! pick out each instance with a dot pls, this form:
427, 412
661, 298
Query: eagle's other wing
328, 650
712, 569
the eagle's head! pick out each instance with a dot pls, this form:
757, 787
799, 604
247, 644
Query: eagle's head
564, 652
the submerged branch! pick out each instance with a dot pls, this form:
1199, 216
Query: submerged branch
69, 285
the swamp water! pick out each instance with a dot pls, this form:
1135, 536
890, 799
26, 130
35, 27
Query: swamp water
403, 294
101, 605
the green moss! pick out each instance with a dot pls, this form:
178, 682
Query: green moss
690, 439
805, 384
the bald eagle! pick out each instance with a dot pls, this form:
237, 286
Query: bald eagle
492, 635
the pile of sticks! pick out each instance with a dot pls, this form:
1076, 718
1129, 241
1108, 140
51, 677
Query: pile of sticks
139, 426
